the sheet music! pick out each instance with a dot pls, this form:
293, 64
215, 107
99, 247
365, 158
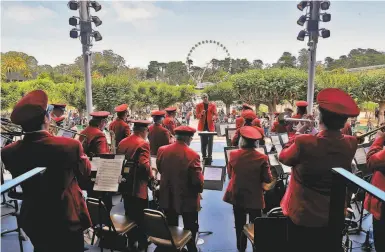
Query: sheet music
285, 168
360, 156
278, 148
107, 177
228, 154
275, 140
65, 133
153, 162
367, 149
231, 133
268, 147
213, 173
260, 150
273, 160
120, 157
95, 163
284, 138
222, 128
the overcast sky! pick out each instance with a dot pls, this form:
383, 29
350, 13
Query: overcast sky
165, 31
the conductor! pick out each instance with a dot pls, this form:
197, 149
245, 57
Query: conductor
207, 114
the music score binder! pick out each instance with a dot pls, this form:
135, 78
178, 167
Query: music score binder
214, 177
106, 171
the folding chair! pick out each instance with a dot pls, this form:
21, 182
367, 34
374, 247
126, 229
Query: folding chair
114, 226
156, 228
268, 233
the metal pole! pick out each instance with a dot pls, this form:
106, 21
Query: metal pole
85, 33
313, 40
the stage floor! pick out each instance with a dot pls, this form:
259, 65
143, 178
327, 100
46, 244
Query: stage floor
215, 216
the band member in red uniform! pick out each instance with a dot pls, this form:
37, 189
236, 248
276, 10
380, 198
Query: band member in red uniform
96, 141
207, 114
158, 136
53, 199
301, 111
57, 112
277, 127
119, 125
59, 121
135, 147
180, 195
306, 201
256, 123
376, 163
347, 130
249, 116
240, 121
169, 122
247, 169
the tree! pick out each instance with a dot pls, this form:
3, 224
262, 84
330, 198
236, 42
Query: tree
257, 64
303, 59
224, 92
357, 58
153, 70
9, 95
176, 73
286, 60
163, 95
372, 88
186, 93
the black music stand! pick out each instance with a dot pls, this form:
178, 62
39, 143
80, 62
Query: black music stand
209, 137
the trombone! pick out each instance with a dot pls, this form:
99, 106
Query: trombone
68, 130
361, 137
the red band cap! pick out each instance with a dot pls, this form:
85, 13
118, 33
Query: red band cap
337, 101
141, 123
249, 115
185, 130
121, 108
59, 119
301, 104
250, 133
246, 106
58, 105
158, 113
256, 122
100, 114
30, 107
170, 109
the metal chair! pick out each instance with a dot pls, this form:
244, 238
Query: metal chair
156, 228
268, 233
116, 225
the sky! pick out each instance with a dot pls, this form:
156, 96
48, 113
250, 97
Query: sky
166, 31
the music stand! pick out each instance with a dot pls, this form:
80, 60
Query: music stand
203, 135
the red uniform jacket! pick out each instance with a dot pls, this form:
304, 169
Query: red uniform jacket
307, 198
55, 198
182, 178
211, 116
135, 145
247, 169
121, 130
96, 141
169, 123
347, 130
158, 137
278, 128
237, 136
376, 162
239, 122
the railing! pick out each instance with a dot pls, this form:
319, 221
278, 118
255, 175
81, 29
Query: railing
20, 179
341, 178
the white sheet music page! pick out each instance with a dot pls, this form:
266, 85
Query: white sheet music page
212, 173
95, 163
360, 156
273, 160
108, 174
285, 138
275, 140
153, 162
278, 148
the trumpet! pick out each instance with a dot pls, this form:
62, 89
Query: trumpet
361, 137
282, 119
68, 130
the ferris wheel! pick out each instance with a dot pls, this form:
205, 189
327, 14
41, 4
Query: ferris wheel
197, 73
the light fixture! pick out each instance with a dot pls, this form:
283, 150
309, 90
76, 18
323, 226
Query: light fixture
301, 21
73, 21
326, 17
73, 5
302, 5
97, 36
325, 33
97, 7
96, 20
301, 35
74, 33
325, 5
